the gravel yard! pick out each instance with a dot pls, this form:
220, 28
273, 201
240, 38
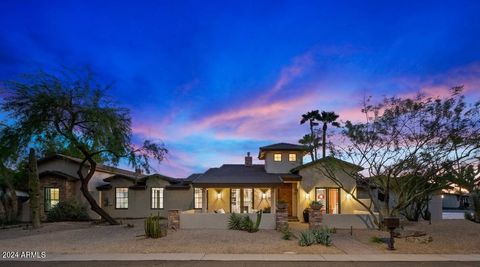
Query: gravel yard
449, 237
88, 238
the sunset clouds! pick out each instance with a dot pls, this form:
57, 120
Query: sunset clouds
216, 80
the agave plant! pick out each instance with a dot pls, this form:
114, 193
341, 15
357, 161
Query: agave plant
306, 239
234, 221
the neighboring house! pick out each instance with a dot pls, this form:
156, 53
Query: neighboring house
246, 188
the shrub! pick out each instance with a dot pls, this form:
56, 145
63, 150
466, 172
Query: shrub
306, 239
155, 227
286, 234
322, 236
234, 221
376, 239
246, 224
69, 210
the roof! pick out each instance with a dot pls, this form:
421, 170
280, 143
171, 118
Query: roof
328, 159
58, 174
238, 175
100, 167
280, 147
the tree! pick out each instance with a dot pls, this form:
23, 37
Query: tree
72, 108
34, 189
327, 118
311, 140
408, 149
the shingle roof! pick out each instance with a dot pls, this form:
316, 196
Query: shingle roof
58, 174
100, 167
238, 175
280, 147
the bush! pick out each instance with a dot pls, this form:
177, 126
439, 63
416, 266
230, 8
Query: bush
246, 224
306, 239
69, 210
322, 236
376, 239
286, 234
234, 221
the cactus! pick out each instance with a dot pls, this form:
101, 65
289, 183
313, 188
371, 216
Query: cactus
154, 228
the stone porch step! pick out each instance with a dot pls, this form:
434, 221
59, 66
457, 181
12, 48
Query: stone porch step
293, 219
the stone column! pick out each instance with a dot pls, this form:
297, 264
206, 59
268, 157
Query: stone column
315, 218
281, 219
204, 200
174, 219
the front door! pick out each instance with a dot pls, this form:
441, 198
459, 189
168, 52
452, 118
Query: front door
285, 193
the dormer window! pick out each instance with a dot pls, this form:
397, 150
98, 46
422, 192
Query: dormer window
277, 157
292, 157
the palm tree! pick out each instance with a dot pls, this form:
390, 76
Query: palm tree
327, 118
312, 117
312, 142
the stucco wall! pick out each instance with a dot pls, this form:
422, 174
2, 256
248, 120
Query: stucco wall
283, 166
345, 221
313, 178
219, 221
215, 203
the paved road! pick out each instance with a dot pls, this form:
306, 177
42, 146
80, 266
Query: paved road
234, 263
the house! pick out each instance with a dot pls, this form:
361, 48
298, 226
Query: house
247, 188
239, 188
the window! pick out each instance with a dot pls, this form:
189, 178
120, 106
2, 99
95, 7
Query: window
121, 198
157, 198
277, 157
198, 198
330, 198
292, 157
52, 197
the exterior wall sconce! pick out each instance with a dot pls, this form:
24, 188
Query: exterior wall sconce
443, 196
349, 196
264, 195
219, 195
307, 196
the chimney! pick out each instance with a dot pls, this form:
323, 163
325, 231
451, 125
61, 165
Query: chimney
248, 160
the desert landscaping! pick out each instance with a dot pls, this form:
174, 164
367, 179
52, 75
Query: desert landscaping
448, 237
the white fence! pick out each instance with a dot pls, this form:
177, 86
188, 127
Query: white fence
219, 221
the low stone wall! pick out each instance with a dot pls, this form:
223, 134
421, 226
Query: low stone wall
315, 219
220, 220
174, 219
281, 219
345, 221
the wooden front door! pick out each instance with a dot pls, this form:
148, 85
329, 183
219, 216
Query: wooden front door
285, 193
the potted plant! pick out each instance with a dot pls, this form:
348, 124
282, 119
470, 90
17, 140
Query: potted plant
316, 205
282, 204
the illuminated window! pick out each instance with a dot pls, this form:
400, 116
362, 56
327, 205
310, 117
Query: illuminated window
330, 198
292, 157
198, 197
277, 157
121, 198
52, 197
157, 198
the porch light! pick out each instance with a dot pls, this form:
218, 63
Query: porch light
307, 196
443, 196
349, 196
264, 195
219, 195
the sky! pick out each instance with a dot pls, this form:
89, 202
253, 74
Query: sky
214, 80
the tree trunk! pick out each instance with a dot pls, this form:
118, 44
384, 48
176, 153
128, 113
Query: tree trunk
84, 188
324, 140
34, 189
313, 139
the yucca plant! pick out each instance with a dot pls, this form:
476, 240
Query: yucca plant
234, 221
306, 239
322, 236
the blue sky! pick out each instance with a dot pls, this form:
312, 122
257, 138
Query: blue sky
215, 79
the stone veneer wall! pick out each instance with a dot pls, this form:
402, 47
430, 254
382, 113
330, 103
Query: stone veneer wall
67, 190
315, 218
281, 219
174, 219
